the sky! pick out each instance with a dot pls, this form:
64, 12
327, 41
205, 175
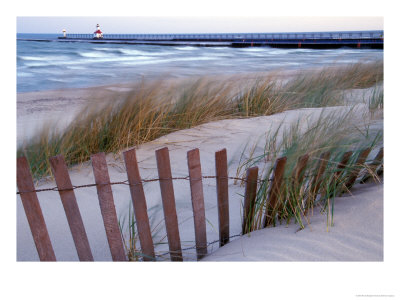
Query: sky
196, 24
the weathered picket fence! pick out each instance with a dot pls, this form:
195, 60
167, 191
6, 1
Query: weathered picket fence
41, 238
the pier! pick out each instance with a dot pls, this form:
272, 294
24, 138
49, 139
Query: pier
317, 40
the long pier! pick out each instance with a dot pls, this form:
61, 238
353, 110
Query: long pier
319, 40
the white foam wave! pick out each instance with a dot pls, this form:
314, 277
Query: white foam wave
24, 74
30, 58
93, 54
186, 48
160, 61
133, 52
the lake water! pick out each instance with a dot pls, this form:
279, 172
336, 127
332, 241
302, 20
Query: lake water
55, 65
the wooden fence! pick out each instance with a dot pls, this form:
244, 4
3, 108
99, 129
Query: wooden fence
41, 237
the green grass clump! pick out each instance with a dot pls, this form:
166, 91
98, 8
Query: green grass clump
335, 133
155, 109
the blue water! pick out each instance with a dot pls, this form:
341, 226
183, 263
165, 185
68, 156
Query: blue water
54, 65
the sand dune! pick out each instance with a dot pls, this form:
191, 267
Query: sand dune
357, 234
350, 239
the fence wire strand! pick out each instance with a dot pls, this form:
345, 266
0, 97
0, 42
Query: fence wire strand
194, 247
126, 182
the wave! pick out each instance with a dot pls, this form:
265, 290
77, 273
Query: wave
116, 51
120, 51
29, 58
24, 74
133, 52
93, 54
57, 80
169, 60
43, 58
186, 48
76, 67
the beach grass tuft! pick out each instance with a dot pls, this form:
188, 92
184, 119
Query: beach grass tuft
154, 109
334, 137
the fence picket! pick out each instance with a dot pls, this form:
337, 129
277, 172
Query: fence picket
33, 211
336, 176
221, 168
168, 200
373, 166
316, 182
298, 172
357, 168
249, 199
71, 208
196, 190
274, 192
107, 207
139, 205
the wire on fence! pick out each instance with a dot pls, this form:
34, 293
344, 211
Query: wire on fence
127, 183
56, 189
194, 247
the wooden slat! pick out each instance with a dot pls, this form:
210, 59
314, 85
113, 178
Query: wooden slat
274, 192
340, 169
357, 167
316, 182
298, 172
196, 189
221, 167
297, 178
107, 207
249, 199
139, 205
71, 208
373, 166
33, 211
168, 200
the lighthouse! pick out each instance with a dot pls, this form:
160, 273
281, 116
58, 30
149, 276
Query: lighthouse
64, 33
98, 34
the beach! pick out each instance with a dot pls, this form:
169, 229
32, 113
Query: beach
350, 239
259, 103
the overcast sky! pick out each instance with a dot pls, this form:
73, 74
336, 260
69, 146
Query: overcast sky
195, 24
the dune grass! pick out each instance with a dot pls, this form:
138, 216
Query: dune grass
333, 133
154, 109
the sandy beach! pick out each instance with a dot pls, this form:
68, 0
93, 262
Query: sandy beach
357, 234
350, 239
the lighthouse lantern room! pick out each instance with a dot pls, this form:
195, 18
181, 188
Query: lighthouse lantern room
98, 34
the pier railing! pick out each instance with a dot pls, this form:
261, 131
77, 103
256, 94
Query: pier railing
375, 34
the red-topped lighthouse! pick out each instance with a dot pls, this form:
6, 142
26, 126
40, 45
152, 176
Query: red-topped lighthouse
98, 34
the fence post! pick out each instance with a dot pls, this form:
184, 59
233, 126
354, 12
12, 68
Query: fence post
373, 166
298, 172
196, 189
357, 168
316, 182
33, 211
71, 208
297, 179
336, 176
274, 192
107, 207
249, 199
168, 200
139, 205
221, 168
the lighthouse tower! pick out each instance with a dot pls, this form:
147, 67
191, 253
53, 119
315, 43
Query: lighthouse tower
98, 34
